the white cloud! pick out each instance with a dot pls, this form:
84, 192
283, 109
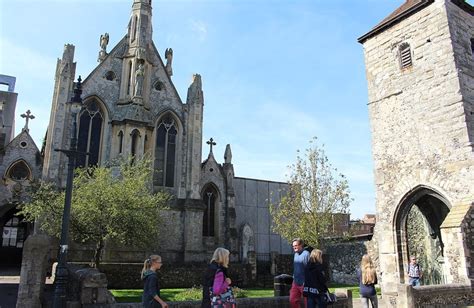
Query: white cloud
200, 28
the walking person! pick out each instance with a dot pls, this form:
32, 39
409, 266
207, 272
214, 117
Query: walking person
151, 289
315, 280
367, 281
300, 260
414, 272
216, 277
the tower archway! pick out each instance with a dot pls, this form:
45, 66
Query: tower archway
417, 223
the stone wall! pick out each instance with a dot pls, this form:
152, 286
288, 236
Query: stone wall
127, 276
443, 296
341, 259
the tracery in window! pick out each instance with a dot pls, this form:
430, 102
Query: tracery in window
19, 171
90, 134
165, 151
209, 198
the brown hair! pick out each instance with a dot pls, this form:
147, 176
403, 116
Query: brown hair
367, 269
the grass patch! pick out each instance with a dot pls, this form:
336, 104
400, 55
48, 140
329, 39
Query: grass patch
195, 293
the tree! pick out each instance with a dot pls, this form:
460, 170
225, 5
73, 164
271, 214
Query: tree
108, 203
315, 194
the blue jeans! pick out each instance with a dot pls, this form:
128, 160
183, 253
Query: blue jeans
317, 301
414, 281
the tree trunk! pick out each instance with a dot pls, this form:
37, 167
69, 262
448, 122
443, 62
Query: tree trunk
98, 253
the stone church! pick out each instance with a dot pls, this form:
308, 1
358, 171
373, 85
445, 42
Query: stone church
420, 73
131, 107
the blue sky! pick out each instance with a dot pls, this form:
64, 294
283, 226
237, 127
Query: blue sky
275, 72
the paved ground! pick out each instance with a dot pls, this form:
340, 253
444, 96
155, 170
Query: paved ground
9, 279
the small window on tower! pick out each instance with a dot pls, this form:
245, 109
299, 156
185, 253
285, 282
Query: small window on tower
472, 48
405, 56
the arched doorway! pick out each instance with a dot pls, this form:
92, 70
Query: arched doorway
417, 222
14, 233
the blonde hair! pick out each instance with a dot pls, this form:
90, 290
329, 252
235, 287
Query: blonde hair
367, 268
221, 256
316, 256
147, 263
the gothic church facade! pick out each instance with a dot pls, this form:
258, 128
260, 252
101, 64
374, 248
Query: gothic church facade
133, 108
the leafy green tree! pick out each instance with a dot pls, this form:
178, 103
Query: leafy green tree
316, 194
108, 204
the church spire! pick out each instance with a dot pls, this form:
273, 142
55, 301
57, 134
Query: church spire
140, 28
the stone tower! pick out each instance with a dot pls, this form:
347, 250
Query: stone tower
420, 74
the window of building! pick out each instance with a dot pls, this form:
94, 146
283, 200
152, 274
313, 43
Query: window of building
209, 197
129, 79
158, 86
13, 233
90, 134
135, 138
110, 75
19, 171
405, 56
120, 135
472, 48
165, 152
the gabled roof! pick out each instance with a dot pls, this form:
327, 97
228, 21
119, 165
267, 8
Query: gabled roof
405, 10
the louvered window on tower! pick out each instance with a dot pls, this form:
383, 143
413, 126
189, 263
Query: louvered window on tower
405, 56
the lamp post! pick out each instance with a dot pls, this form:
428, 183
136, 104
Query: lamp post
61, 278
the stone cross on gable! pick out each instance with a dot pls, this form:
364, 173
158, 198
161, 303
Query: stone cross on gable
27, 116
211, 143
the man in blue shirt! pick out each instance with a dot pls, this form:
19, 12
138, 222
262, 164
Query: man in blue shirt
300, 261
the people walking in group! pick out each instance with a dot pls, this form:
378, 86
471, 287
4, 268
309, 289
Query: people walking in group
367, 281
414, 272
300, 261
216, 277
315, 280
151, 289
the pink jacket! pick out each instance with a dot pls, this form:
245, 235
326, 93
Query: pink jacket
220, 285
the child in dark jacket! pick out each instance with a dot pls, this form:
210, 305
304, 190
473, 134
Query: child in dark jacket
151, 289
315, 281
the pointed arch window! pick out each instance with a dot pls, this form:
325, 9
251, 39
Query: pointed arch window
135, 138
19, 171
209, 198
165, 152
91, 122
120, 135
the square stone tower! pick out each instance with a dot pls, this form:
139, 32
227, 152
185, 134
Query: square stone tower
420, 74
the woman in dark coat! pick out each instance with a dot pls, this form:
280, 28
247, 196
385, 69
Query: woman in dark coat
151, 289
216, 276
315, 281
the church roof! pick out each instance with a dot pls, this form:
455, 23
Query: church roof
405, 10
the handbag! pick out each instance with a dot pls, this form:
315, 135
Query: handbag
330, 298
223, 299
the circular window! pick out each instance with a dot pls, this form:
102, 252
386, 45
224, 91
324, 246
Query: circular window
23, 144
158, 86
211, 169
110, 75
